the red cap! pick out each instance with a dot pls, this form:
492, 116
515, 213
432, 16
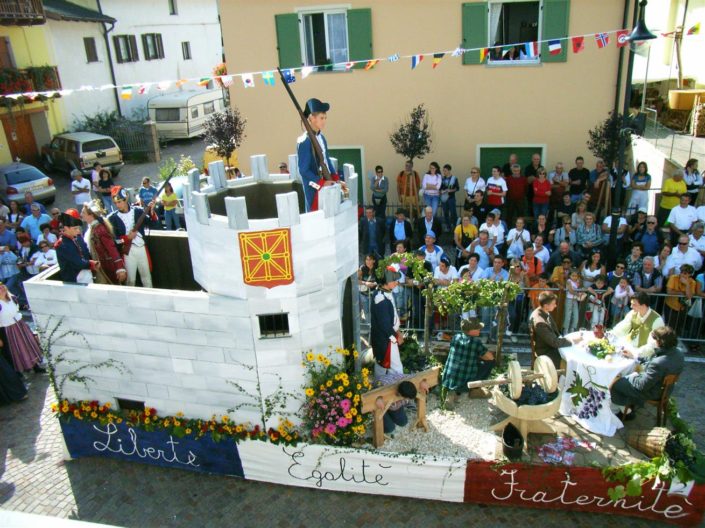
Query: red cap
74, 213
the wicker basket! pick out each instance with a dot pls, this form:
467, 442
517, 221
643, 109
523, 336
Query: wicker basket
651, 442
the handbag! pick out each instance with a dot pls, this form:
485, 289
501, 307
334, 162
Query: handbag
696, 309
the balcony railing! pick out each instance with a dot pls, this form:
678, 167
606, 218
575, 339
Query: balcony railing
34, 79
21, 12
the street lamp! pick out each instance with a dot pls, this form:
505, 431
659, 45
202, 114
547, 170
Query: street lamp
639, 34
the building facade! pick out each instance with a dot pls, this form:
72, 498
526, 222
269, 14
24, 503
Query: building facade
479, 111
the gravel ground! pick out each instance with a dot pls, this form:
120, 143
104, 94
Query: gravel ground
461, 433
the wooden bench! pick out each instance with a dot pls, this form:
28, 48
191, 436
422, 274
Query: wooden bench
389, 395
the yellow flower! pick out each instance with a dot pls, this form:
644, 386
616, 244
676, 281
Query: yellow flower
359, 419
340, 389
309, 392
323, 387
288, 438
353, 411
355, 354
146, 420
320, 358
326, 362
76, 413
359, 386
177, 423
119, 420
348, 415
107, 405
346, 382
54, 407
348, 394
225, 418
365, 372
179, 414
188, 430
238, 429
309, 356
94, 414
329, 383
166, 423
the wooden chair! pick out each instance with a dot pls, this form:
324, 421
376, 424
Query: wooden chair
661, 404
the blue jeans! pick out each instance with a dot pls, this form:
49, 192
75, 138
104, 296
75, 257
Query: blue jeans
432, 201
14, 284
108, 204
171, 220
393, 418
540, 209
450, 211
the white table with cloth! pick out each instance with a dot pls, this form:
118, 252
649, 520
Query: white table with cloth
586, 393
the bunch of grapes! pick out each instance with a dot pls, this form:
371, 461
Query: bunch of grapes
533, 395
591, 404
679, 452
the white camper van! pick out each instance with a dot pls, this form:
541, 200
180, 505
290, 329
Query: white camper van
182, 114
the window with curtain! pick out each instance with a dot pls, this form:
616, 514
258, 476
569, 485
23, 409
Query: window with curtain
512, 26
325, 38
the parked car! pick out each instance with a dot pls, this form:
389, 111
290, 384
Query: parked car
80, 150
18, 178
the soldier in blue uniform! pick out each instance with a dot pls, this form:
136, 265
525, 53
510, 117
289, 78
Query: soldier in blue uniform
385, 336
316, 113
71, 251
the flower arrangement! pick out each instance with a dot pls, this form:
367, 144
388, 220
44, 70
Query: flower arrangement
332, 411
601, 348
177, 425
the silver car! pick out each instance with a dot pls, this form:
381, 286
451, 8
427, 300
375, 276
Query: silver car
19, 178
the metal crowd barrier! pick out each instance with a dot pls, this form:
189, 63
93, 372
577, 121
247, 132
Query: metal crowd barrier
687, 319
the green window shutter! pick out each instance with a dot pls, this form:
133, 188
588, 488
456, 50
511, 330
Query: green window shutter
555, 26
360, 35
288, 40
474, 30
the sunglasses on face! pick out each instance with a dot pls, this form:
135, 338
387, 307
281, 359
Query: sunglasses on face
682, 243
650, 222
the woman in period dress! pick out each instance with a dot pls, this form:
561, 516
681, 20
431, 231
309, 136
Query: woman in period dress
101, 243
16, 335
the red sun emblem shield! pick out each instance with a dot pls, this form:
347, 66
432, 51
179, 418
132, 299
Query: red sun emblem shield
266, 258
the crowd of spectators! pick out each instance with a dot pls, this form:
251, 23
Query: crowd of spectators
546, 230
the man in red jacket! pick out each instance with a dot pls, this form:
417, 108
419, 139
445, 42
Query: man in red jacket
517, 186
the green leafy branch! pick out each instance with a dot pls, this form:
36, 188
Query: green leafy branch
51, 335
461, 297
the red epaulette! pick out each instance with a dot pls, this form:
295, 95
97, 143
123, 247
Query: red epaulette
58, 242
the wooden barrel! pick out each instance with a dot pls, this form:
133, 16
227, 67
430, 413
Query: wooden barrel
649, 441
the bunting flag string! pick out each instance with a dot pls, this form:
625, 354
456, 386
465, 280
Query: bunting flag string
527, 50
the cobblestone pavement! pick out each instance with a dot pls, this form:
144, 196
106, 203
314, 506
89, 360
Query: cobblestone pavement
35, 479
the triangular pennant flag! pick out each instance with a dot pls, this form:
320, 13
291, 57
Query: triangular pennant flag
349, 65
126, 92
142, 89
163, 85
268, 78
371, 64
306, 71
226, 80
415, 60
622, 38
578, 44
437, 58
531, 50
204, 81
180, 83
695, 30
289, 76
457, 52
506, 50
106, 87
484, 53
248, 80
65, 92
393, 58
554, 47
602, 39
86, 88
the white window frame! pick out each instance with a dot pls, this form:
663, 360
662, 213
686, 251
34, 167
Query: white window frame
513, 63
325, 10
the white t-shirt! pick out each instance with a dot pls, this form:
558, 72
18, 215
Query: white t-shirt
700, 211
476, 275
497, 185
494, 231
451, 274
683, 217
83, 197
608, 222
699, 245
543, 254
516, 241
471, 187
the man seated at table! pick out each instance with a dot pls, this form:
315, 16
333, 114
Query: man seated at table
547, 337
637, 325
638, 387
468, 360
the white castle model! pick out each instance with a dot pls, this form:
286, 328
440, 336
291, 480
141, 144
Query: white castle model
184, 348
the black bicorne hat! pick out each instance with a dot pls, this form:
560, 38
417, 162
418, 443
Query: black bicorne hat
315, 105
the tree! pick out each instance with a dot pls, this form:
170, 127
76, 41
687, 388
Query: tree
413, 138
604, 138
224, 131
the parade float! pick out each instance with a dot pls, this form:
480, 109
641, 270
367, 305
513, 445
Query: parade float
241, 360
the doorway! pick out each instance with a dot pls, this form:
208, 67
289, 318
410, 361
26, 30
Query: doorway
20, 137
352, 155
491, 155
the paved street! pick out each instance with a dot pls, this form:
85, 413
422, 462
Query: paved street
35, 479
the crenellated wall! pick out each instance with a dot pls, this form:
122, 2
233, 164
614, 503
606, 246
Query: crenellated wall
182, 348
